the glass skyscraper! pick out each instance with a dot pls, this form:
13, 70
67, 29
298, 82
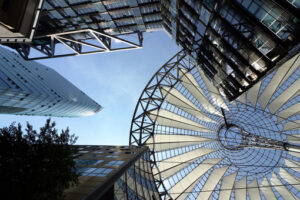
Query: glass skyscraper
30, 88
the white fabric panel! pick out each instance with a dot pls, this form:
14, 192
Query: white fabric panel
242, 99
176, 98
279, 77
288, 112
292, 164
167, 118
296, 94
293, 139
253, 93
187, 191
291, 125
291, 179
171, 165
267, 190
253, 190
211, 183
214, 92
292, 65
118, 192
171, 171
226, 186
233, 103
284, 96
191, 178
163, 141
189, 82
240, 189
280, 188
294, 154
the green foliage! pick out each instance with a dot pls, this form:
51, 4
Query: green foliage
36, 165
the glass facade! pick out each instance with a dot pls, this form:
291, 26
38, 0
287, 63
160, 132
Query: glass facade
30, 88
236, 43
127, 176
112, 17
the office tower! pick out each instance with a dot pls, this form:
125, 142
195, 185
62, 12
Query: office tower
74, 27
206, 147
236, 43
30, 88
113, 172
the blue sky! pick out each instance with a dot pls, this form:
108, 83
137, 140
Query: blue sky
114, 80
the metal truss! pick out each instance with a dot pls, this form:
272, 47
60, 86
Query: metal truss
142, 126
101, 43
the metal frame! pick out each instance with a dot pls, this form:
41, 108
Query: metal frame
104, 44
142, 126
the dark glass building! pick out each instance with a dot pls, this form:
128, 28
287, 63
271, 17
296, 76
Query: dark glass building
89, 26
113, 172
238, 42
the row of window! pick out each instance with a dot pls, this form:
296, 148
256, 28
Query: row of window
113, 163
89, 171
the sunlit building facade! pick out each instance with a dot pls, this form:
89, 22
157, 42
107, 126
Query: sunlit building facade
238, 42
30, 88
89, 26
113, 172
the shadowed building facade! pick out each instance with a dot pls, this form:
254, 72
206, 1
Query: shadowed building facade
18, 19
30, 88
113, 172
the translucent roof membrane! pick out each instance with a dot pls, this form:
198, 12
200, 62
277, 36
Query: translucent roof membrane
206, 147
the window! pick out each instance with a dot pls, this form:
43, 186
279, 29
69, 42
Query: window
94, 155
115, 163
88, 171
87, 162
111, 156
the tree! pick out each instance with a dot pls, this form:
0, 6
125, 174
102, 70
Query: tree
36, 166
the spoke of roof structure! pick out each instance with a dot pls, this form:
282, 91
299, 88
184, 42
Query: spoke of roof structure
282, 190
240, 188
210, 184
171, 166
253, 190
185, 183
266, 189
162, 142
227, 186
